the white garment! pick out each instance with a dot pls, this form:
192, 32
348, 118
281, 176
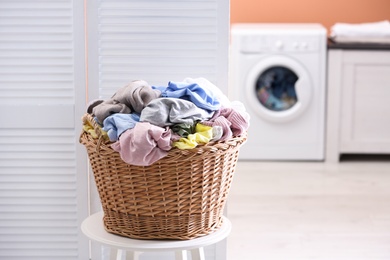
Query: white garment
376, 32
222, 98
206, 84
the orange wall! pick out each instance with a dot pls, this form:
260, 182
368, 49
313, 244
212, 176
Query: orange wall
326, 12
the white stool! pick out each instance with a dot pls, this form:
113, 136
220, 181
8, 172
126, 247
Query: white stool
93, 228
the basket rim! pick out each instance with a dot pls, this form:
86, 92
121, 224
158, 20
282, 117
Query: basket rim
103, 143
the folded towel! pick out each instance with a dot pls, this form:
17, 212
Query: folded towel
376, 32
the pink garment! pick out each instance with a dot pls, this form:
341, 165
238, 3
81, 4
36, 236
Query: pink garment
144, 144
231, 121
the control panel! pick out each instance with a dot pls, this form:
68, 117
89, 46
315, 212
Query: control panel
274, 43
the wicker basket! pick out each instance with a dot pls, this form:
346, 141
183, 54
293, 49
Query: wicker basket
181, 196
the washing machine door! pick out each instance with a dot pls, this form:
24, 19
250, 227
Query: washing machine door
278, 88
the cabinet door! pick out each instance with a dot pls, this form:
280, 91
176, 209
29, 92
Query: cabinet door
365, 118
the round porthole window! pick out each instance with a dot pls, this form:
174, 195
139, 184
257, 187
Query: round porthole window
275, 88
278, 88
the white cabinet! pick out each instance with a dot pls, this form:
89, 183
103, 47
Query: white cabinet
358, 118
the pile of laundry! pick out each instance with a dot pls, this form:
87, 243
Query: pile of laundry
374, 32
144, 122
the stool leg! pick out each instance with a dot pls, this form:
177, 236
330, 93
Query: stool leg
132, 255
116, 254
181, 255
119, 254
197, 254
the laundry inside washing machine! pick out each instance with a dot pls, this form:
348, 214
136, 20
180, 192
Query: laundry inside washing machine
275, 88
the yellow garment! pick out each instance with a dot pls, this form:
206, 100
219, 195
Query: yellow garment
88, 127
203, 134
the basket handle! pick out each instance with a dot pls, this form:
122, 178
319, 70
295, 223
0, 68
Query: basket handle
99, 143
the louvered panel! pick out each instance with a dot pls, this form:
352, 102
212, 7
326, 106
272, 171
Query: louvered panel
36, 52
157, 41
38, 195
39, 211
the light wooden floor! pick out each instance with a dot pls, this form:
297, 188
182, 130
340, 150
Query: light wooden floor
310, 211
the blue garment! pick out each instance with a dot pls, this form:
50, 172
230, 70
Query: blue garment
161, 88
117, 123
201, 97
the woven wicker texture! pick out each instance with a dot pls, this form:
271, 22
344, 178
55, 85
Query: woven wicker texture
181, 196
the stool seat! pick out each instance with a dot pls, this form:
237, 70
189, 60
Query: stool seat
93, 228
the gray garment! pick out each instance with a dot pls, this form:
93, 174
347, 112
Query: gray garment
136, 95
170, 111
131, 98
107, 108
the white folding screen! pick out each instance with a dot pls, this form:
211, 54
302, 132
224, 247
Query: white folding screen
157, 41
43, 187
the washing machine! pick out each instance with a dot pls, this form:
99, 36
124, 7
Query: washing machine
278, 72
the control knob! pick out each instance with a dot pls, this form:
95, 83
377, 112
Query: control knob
279, 44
